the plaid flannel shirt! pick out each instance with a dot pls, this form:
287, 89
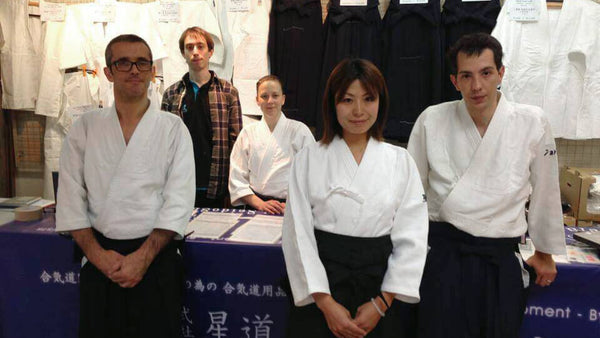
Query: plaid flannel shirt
226, 123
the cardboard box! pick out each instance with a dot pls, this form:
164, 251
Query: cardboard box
574, 186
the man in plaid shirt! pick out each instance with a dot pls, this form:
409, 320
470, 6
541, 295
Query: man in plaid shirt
210, 108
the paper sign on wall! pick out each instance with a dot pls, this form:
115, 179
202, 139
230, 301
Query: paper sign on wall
524, 10
50, 11
413, 2
104, 11
353, 2
168, 11
238, 5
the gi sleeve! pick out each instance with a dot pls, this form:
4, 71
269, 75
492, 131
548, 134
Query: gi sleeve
545, 220
179, 191
72, 196
305, 270
409, 235
239, 174
303, 138
417, 148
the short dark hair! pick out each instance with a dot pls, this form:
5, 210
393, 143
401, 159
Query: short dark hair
474, 44
266, 78
196, 31
123, 38
342, 76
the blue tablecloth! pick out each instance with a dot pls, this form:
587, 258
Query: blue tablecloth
233, 290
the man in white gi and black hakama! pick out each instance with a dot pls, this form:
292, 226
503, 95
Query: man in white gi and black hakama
126, 191
480, 159
355, 223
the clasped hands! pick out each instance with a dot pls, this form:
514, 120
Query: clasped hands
341, 323
127, 271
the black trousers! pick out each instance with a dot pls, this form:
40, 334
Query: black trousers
472, 287
460, 18
355, 268
412, 63
150, 309
295, 53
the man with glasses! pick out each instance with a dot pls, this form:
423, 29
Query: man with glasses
126, 192
210, 108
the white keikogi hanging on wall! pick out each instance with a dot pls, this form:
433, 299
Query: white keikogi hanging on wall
19, 55
526, 47
572, 94
250, 33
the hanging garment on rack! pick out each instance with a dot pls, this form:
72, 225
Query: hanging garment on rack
70, 43
526, 48
250, 62
20, 55
461, 18
572, 95
224, 70
412, 63
350, 31
79, 94
191, 13
156, 90
294, 56
141, 20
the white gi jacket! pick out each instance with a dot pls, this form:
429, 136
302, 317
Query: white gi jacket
526, 47
126, 191
20, 55
70, 43
573, 84
480, 185
383, 195
224, 69
250, 34
261, 160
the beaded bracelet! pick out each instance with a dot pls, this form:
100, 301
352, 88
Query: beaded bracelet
381, 313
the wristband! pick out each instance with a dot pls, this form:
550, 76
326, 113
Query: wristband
384, 301
381, 313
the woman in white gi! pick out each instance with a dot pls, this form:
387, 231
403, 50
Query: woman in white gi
355, 225
263, 152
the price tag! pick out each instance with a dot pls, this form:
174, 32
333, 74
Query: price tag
104, 11
238, 5
353, 2
524, 10
50, 11
413, 2
168, 11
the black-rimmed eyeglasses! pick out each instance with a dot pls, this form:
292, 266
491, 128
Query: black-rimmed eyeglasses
126, 65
